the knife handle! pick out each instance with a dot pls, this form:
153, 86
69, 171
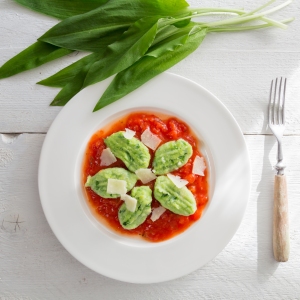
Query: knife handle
281, 240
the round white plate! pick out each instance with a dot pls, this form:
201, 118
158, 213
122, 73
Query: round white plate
124, 258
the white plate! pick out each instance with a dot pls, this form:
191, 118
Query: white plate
124, 258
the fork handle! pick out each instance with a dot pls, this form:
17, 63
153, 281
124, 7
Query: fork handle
281, 241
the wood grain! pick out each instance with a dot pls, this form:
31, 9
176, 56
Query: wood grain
281, 240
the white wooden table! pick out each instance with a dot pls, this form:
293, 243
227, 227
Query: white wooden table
237, 68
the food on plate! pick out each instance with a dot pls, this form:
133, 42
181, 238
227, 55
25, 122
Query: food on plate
107, 157
98, 183
150, 140
156, 213
130, 202
131, 151
199, 166
171, 156
145, 175
179, 182
131, 220
166, 195
180, 201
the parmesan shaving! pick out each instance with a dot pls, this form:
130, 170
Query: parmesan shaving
156, 213
179, 182
107, 157
116, 186
145, 175
129, 134
130, 202
199, 166
150, 140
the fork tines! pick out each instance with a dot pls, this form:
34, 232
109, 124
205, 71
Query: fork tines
276, 101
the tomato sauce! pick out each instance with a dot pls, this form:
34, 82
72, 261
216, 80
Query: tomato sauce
167, 129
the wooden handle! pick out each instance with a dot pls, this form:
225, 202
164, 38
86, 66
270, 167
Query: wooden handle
281, 240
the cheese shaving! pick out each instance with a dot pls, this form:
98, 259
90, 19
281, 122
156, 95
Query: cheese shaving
156, 213
179, 182
107, 157
129, 134
130, 202
145, 175
199, 166
116, 186
150, 140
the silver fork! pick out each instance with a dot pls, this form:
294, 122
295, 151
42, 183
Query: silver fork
281, 244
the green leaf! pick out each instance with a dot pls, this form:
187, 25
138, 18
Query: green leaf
168, 40
95, 44
123, 53
35, 55
71, 88
62, 9
40, 53
150, 66
63, 77
73, 85
119, 55
113, 16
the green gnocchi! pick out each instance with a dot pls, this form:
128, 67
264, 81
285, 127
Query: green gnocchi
131, 220
180, 201
98, 182
132, 152
171, 156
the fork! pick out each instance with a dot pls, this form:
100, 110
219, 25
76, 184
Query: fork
281, 243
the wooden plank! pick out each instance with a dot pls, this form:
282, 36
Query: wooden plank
35, 266
240, 79
20, 27
236, 67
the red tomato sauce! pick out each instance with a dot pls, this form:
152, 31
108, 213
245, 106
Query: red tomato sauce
167, 129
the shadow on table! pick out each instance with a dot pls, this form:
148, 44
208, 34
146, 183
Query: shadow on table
266, 264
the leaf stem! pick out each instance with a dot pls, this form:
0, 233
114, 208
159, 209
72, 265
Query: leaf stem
242, 17
242, 28
215, 9
248, 18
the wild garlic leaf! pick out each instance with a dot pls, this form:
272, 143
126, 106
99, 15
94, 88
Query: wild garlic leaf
149, 66
62, 9
64, 76
118, 56
61, 78
75, 84
127, 50
35, 55
112, 17
164, 42
73, 87
91, 40
98, 44
39, 53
